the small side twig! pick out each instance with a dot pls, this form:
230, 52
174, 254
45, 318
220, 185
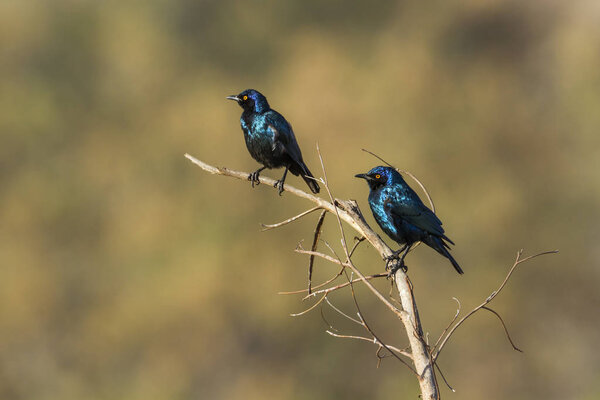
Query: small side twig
345, 284
266, 227
448, 326
366, 339
311, 260
327, 282
505, 328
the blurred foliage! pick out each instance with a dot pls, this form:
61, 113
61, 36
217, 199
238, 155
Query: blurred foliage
126, 272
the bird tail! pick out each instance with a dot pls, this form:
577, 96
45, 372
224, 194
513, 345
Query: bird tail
305, 173
439, 245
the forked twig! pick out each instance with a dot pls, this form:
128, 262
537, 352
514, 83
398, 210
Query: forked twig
491, 297
356, 243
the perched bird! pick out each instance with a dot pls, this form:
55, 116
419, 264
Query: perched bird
402, 215
270, 139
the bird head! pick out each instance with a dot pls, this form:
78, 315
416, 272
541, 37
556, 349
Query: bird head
381, 176
251, 100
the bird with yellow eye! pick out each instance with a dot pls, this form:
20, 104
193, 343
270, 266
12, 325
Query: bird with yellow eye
270, 140
402, 215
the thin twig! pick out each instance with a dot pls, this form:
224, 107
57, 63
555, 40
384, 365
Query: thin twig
505, 328
267, 227
324, 256
447, 327
373, 340
343, 285
357, 241
311, 260
343, 314
310, 308
444, 378
327, 282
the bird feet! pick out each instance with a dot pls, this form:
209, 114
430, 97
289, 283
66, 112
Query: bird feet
254, 177
279, 186
393, 263
395, 267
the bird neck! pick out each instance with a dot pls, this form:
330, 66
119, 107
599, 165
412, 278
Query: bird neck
261, 106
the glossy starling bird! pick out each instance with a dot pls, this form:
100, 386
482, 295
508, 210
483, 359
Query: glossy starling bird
402, 215
270, 139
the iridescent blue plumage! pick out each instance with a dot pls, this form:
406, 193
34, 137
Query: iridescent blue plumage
402, 215
270, 139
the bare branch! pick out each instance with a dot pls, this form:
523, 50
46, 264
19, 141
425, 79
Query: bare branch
350, 213
371, 236
267, 227
343, 314
310, 308
323, 256
491, 297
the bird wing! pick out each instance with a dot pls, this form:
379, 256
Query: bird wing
283, 136
404, 203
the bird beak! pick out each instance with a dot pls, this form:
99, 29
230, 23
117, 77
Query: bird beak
364, 176
234, 97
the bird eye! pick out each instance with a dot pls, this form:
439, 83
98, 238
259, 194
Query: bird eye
245, 98
377, 176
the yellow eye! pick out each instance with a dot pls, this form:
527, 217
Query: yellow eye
245, 98
377, 176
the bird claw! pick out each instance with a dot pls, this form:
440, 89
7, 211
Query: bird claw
397, 265
254, 178
390, 259
393, 263
279, 186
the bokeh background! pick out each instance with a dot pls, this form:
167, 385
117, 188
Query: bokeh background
128, 273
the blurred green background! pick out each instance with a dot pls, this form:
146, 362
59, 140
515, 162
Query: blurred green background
128, 273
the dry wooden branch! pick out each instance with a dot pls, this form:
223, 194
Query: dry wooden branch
424, 359
349, 212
